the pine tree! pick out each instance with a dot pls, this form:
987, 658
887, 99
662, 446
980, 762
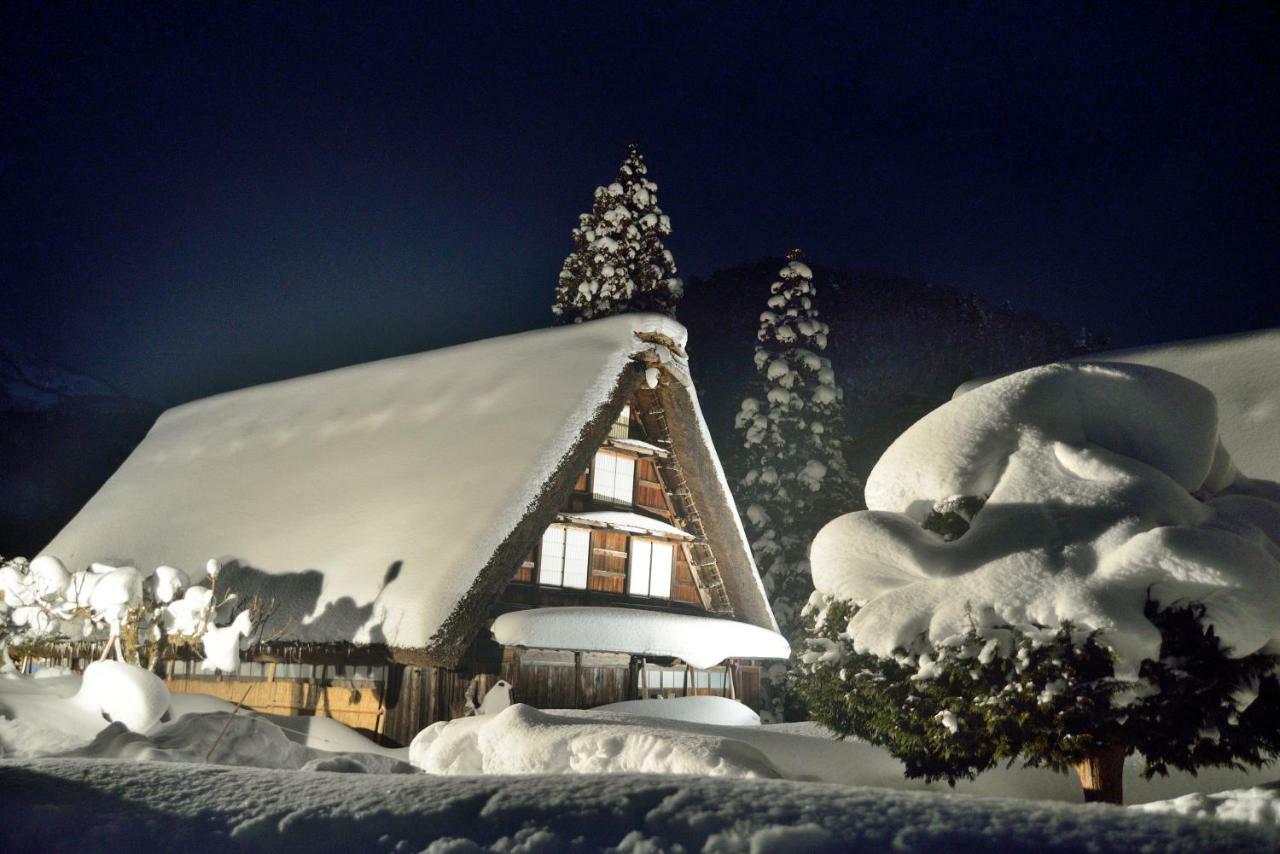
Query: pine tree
618, 263
794, 477
1047, 697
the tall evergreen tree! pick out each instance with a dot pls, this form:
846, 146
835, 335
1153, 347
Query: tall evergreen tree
618, 263
794, 477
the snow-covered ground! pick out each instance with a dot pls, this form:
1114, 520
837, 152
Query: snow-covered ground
95, 805
526, 780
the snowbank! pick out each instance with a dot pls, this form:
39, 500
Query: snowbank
120, 692
523, 740
1088, 472
69, 715
699, 710
700, 641
1259, 805
221, 738
90, 805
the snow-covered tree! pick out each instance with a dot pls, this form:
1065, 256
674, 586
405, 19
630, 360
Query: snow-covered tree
793, 473
619, 263
1061, 567
134, 614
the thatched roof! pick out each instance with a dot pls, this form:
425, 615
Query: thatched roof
389, 503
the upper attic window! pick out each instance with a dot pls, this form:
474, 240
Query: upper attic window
613, 477
621, 428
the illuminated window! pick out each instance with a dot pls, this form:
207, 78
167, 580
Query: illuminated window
649, 568
613, 477
621, 428
565, 553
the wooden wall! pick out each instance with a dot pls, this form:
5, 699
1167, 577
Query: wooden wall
411, 698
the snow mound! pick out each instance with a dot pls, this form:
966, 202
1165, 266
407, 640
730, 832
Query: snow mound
1243, 372
523, 740
1101, 482
1258, 805
125, 694
220, 738
720, 711
700, 641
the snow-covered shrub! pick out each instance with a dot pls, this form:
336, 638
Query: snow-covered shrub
133, 613
1062, 566
1047, 697
791, 468
618, 263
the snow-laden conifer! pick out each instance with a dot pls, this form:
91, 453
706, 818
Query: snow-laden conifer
794, 477
619, 263
1062, 567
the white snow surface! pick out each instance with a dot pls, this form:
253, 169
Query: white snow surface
699, 641
207, 780
1243, 372
524, 740
721, 711
120, 692
95, 805
1258, 805
338, 494
1090, 470
627, 521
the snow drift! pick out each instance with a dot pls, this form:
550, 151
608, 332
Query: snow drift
1103, 484
87, 805
523, 740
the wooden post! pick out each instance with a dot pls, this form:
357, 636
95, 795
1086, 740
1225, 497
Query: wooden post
687, 676
727, 690
644, 679
1102, 776
733, 688
577, 679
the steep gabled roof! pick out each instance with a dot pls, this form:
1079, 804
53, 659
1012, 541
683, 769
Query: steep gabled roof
388, 503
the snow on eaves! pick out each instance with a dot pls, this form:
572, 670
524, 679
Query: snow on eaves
699, 641
622, 520
365, 499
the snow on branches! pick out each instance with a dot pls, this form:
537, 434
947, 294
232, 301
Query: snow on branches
618, 263
126, 610
1068, 498
794, 478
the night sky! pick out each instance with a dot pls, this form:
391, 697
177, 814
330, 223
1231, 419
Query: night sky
206, 196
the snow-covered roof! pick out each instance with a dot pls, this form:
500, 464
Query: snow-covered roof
700, 641
385, 502
623, 520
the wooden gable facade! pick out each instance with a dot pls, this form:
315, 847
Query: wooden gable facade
633, 478
624, 477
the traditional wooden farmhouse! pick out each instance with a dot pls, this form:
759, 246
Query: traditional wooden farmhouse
545, 509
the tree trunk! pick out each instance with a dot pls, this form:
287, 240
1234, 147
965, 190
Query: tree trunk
1102, 776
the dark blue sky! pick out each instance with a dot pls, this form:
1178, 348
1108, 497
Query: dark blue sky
205, 196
